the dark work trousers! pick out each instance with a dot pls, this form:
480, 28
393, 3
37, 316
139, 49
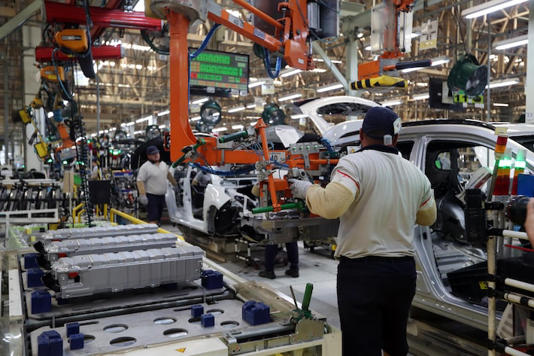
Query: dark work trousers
155, 206
292, 255
374, 295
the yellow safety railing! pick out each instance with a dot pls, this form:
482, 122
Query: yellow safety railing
114, 212
76, 212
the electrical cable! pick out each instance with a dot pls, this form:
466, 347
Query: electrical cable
267, 64
162, 51
67, 94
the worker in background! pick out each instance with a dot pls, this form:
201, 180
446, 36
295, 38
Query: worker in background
95, 172
271, 251
378, 196
529, 222
152, 184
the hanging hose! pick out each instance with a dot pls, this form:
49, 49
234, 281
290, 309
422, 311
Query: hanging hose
230, 173
205, 42
267, 63
159, 50
82, 158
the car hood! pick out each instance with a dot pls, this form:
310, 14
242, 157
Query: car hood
323, 126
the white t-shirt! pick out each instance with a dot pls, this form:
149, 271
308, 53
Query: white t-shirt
389, 191
154, 176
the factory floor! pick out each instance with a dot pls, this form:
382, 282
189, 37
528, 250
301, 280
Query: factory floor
320, 269
314, 267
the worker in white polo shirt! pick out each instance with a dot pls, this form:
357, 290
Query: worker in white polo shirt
529, 222
379, 196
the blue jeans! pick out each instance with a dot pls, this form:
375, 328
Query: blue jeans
155, 206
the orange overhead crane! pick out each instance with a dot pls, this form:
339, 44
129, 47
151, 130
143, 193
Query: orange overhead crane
289, 38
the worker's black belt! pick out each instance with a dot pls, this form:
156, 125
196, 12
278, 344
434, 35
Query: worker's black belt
360, 260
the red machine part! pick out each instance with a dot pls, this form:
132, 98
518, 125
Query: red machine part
102, 17
44, 54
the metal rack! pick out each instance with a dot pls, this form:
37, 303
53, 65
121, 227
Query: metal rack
494, 294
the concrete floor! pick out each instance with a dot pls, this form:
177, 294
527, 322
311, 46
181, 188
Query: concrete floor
321, 270
315, 268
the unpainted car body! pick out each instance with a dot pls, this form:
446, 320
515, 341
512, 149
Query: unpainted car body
453, 154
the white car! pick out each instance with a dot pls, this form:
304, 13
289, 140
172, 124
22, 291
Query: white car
454, 154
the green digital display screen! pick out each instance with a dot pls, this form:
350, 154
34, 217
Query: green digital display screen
219, 74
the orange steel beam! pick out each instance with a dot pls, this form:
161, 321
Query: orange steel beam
181, 133
247, 29
260, 126
260, 14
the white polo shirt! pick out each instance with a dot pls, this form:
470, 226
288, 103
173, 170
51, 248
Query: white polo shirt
154, 176
389, 191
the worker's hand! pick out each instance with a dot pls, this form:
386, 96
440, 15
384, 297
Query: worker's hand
299, 188
256, 190
143, 200
529, 221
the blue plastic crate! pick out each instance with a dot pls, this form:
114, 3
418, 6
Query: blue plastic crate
72, 328
76, 341
197, 311
256, 313
30, 260
525, 185
33, 277
207, 320
49, 343
212, 279
41, 302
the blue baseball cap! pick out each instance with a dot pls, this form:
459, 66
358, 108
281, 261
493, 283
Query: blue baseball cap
380, 121
150, 150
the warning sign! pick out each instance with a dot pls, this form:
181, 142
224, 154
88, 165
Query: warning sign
429, 35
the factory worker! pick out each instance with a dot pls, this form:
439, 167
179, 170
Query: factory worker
152, 184
529, 222
379, 197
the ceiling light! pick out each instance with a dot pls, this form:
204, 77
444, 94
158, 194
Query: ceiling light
237, 127
236, 109
161, 126
367, 48
330, 87
391, 102
360, 34
195, 118
500, 104
318, 70
503, 83
126, 124
299, 116
219, 129
163, 113
290, 97
252, 117
335, 61
511, 42
489, 7
434, 62
290, 73
256, 84
421, 84
414, 35
50, 114
251, 106
200, 101
421, 96
144, 119
138, 132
